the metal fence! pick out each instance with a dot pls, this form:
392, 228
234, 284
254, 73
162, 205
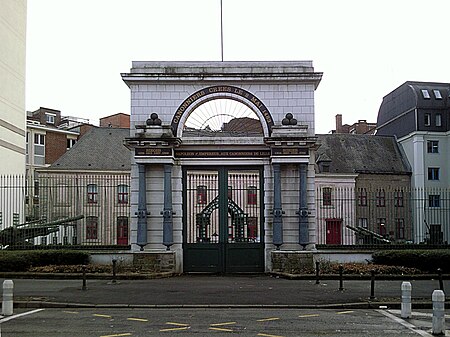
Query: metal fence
349, 216
93, 211
59, 210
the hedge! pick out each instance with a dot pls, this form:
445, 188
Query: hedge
425, 260
23, 260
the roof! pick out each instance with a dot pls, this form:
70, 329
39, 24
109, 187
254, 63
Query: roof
99, 149
202, 71
352, 153
411, 95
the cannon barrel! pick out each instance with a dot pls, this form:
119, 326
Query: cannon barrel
62, 221
35, 224
369, 232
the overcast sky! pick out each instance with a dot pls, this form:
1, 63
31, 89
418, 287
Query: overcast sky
76, 49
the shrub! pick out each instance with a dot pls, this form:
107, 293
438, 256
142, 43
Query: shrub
23, 260
352, 268
425, 260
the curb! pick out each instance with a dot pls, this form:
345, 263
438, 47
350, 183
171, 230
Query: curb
89, 276
357, 277
358, 305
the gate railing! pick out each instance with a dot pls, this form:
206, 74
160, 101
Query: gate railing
94, 210
54, 210
349, 216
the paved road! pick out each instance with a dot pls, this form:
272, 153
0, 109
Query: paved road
109, 322
261, 290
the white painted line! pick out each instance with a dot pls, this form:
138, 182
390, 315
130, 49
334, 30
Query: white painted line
219, 324
6, 319
266, 335
175, 329
177, 324
221, 329
415, 313
405, 323
268, 319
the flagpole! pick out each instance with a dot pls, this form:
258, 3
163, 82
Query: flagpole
221, 30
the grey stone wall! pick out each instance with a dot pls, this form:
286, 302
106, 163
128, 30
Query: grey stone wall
292, 262
158, 262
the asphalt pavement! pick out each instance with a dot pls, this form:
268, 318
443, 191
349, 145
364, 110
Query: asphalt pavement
263, 291
218, 322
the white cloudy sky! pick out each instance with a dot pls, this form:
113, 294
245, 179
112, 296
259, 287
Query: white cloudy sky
76, 49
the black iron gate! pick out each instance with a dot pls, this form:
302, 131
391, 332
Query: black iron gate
222, 221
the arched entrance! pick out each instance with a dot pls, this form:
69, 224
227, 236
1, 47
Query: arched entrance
221, 190
223, 217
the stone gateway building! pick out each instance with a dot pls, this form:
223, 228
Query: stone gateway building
223, 162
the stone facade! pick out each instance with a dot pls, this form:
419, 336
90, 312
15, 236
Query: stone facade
163, 262
292, 262
13, 23
170, 91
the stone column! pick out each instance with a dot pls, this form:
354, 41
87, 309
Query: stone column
303, 237
168, 210
142, 209
277, 207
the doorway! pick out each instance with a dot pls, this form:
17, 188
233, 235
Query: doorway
222, 222
334, 231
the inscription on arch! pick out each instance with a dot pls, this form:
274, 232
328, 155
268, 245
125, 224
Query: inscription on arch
220, 89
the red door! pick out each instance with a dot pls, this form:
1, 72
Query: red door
122, 230
334, 229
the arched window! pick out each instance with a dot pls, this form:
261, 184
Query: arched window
222, 117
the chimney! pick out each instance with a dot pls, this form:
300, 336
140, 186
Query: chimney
338, 123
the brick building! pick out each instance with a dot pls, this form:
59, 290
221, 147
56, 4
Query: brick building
362, 181
46, 142
119, 120
360, 128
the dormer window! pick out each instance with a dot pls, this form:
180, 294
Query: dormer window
324, 163
50, 118
426, 94
437, 94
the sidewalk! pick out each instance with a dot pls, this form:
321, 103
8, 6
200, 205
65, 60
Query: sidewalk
219, 291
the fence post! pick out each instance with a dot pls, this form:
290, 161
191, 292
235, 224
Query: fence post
83, 268
114, 270
372, 285
341, 281
441, 283
438, 298
317, 272
406, 300
8, 304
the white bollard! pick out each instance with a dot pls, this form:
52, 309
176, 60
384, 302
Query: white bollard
7, 304
438, 298
406, 300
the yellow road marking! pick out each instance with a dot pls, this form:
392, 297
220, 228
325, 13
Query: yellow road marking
268, 319
221, 329
137, 319
118, 335
177, 324
266, 335
99, 315
71, 312
174, 329
219, 324
344, 312
309, 315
